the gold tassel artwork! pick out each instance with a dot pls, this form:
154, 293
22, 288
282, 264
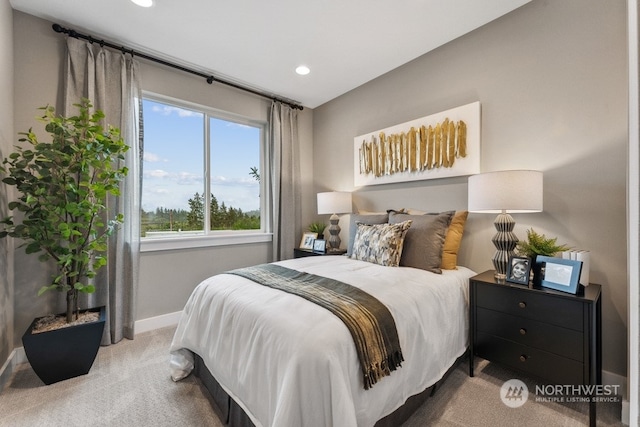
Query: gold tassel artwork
426, 148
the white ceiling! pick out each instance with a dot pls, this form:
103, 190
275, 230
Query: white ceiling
259, 43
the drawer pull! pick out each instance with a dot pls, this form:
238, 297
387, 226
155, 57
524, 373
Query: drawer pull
522, 304
523, 358
523, 331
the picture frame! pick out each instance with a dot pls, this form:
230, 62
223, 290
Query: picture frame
320, 246
307, 240
373, 165
518, 270
560, 274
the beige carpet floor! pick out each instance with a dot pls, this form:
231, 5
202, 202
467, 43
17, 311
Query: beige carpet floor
129, 385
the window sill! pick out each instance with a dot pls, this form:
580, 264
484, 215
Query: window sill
214, 239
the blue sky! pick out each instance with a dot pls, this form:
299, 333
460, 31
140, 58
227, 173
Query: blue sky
174, 159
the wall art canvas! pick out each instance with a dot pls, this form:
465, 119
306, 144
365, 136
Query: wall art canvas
440, 145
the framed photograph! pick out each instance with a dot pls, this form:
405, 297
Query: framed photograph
560, 274
518, 270
320, 245
307, 240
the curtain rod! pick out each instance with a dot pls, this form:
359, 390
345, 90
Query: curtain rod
209, 78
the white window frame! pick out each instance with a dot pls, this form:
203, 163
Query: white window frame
216, 237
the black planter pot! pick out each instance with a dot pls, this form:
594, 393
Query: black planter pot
64, 353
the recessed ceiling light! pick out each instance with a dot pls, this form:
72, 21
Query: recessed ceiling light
303, 70
143, 3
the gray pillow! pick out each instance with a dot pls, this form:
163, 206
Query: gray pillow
363, 219
424, 240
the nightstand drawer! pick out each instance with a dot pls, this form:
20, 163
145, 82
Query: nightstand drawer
543, 336
550, 367
525, 303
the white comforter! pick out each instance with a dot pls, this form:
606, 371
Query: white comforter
289, 362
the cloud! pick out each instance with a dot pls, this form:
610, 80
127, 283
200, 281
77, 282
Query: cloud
156, 173
188, 178
181, 178
168, 110
222, 180
159, 191
153, 158
218, 179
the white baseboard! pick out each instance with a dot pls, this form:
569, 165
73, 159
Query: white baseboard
7, 370
609, 378
152, 323
625, 412
18, 356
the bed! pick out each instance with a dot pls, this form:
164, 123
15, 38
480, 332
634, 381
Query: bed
281, 360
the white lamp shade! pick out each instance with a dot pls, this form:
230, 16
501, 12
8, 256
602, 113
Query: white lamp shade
334, 202
512, 191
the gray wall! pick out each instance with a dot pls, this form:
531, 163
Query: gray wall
6, 142
166, 277
551, 79
37, 82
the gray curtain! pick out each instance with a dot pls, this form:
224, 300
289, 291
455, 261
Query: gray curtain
284, 186
111, 81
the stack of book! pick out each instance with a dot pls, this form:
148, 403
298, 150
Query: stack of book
579, 255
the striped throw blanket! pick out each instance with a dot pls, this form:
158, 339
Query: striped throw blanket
369, 321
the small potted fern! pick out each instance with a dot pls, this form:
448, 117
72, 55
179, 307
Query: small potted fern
538, 244
317, 227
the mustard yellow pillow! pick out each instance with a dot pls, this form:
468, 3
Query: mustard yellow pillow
452, 241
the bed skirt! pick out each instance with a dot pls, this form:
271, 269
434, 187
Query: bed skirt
233, 415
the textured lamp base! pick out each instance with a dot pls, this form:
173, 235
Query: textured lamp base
334, 232
505, 242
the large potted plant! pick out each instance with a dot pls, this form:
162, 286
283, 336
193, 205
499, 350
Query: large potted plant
62, 215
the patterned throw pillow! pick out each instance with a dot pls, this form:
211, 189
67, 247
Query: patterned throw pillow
380, 243
368, 219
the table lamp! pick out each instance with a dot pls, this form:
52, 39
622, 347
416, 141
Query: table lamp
334, 202
505, 192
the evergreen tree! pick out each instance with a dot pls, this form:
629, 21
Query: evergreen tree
221, 217
253, 171
195, 217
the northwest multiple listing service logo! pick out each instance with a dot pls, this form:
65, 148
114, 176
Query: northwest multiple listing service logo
514, 393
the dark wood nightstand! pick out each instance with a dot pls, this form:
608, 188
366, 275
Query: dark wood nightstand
299, 253
551, 335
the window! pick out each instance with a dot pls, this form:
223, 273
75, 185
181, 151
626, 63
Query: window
201, 172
